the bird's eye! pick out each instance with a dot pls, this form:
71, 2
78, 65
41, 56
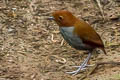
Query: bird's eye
60, 18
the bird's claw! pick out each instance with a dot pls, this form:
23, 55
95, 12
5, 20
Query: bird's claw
85, 66
80, 68
73, 72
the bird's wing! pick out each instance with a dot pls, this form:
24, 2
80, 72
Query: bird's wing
88, 34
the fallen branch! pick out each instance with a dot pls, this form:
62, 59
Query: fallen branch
100, 7
96, 65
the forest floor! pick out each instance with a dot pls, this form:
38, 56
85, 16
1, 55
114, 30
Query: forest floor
31, 47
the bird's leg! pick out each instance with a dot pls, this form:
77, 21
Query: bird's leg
82, 66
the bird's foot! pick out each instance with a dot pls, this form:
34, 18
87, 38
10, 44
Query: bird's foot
80, 68
85, 66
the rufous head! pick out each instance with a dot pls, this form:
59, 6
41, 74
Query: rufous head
63, 18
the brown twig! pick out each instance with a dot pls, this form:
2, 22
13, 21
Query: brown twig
52, 38
62, 42
111, 62
100, 7
96, 65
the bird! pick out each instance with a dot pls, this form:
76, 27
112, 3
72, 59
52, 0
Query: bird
78, 34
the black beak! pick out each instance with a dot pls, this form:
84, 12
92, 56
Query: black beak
50, 18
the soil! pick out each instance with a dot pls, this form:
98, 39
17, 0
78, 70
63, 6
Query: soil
31, 47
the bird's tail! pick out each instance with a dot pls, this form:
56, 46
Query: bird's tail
104, 51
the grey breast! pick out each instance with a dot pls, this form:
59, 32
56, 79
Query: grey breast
72, 39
